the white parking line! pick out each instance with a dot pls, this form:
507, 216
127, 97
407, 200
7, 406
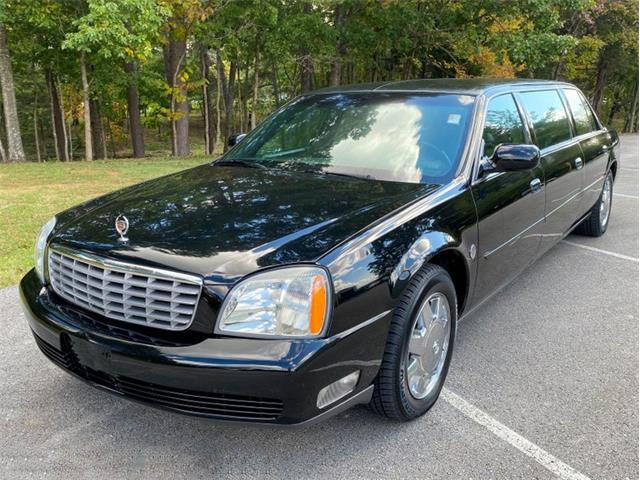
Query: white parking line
544, 458
624, 195
599, 250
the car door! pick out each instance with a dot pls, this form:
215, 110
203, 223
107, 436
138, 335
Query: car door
594, 142
510, 205
561, 159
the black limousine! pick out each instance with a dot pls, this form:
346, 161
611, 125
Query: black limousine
325, 260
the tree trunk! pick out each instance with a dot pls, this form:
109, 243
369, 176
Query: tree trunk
218, 116
70, 139
133, 111
3, 154
558, 71
207, 113
615, 107
88, 139
407, 69
224, 90
598, 91
256, 85
227, 88
57, 119
174, 54
36, 133
233, 70
630, 121
242, 104
306, 71
306, 74
97, 130
336, 65
305, 60
66, 126
12, 124
111, 142
276, 86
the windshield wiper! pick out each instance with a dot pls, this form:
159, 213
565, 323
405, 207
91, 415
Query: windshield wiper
240, 163
350, 175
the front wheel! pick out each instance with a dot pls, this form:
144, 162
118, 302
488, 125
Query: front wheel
595, 225
419, 347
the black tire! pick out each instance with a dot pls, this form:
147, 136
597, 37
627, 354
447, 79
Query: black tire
392, 397
592, 226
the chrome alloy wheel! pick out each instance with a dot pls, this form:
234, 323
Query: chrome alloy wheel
428, 345
605, 202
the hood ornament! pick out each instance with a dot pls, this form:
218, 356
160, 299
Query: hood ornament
122, 227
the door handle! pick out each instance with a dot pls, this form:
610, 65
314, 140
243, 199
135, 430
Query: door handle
579, 163
536, 185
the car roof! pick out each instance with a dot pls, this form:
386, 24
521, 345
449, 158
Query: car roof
471, 86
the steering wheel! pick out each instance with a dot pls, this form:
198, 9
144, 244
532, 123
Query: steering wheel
438, 162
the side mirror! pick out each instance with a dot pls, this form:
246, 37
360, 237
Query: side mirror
508, 158
235, 139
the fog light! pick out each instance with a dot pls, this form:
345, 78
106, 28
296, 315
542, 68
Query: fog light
336, 390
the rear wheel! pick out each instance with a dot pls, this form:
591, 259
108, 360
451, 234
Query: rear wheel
419, 347
597, 222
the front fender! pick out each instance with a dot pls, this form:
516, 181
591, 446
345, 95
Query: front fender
371, 271
420, 252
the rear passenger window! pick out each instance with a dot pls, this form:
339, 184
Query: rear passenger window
548, 116
503, 124
582, 115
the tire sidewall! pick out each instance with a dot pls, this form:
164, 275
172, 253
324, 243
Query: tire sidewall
603, 228
440, 282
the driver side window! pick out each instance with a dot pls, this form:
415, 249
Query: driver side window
503, 124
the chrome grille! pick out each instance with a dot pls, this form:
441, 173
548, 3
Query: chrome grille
152, 298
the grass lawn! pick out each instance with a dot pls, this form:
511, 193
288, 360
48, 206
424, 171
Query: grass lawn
33, 192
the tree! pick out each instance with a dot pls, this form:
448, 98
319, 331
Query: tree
125, 30
185, 16
175, 52
207, 107
14, 138
88, 140
138, 68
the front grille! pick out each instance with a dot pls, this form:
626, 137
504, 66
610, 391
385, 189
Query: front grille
127, 294
192, 402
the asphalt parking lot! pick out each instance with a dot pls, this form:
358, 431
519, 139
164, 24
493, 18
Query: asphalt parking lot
544, 384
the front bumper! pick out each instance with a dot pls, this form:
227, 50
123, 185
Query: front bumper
223, 378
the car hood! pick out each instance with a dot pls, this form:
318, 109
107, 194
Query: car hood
230, 221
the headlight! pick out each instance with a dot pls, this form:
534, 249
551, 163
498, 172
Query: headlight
285, 302
41, 246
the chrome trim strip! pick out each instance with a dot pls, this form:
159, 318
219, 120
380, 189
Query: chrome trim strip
514, 238
547, 215
366, 323
125, 267
573, 197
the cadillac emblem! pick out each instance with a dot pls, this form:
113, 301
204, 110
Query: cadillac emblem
122, 227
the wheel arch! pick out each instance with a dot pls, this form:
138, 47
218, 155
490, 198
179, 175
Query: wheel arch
440, 249
455, 264
614, 168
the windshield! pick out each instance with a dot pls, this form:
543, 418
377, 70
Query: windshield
386, 136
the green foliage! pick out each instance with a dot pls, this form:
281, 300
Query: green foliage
580, 41
120, 29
